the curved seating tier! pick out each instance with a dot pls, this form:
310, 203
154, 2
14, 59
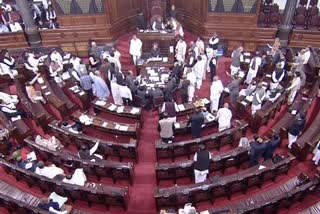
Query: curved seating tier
103, 168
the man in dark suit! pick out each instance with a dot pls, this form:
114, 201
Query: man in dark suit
196, 120
156, 92
141, 21
296, 128
257, 148
183, 88
271, 146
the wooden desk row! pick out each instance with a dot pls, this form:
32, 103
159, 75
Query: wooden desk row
91, 192
131, 130
301, 103
38, 112
103, 168
282, 196
314, 209
308, 140
107, 148
18, 201
189, 147
221, 186
222, 161
120, 111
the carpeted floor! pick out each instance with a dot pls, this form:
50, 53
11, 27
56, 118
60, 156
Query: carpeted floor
144, 183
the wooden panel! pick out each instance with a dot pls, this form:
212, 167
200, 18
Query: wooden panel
304, 38
13, 40
82, 20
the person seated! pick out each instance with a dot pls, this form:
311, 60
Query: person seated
15, 26
7, 64
74, 128
273, 94
51, 171
54, 204
173, 24
9, 99
155, 50
33, 95
52, 143
12, 112
56, 69
126, 95
32, 62
158, 24
53, 24
249, 90
55, 56
157, 92
5, 143
88, 154
3, 28
26, 164
78, 178
51, 14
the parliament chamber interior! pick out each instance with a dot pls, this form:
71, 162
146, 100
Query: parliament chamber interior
159, 106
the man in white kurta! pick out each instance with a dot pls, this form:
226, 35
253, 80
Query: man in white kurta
181, 50
294, 87
199, 70
9, 99
48, 171
56, 56
224, 116
253, 68
116, 93
7, 66
191, 88
135, 48
316, 153
215, 92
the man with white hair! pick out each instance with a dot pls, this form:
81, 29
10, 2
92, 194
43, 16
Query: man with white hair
236, 59
181, 50
224, 116
215, 92
135, 48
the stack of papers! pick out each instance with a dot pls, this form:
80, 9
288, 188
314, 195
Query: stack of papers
154, 79
40, 80
181, 107
241, 74
249, 98
16, 118
43, 87
81, 93
165, 59
134, 111
244, 103
294, 112
120, 109
205, 101
227, 90
100, 103
123, 128
112, 107
261, 167
65, 75
210, 117
47, 93
104, 124
177, 125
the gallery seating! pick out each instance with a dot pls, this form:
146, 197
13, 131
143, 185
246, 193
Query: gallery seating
282, 196
216, 187
234, 157
107, 148
91, 192
189, 147
103, 168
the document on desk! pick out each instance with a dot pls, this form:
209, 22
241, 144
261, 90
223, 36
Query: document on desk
100, 103
120, 109
177, 125
40, 80
65, 75
244, 103
205, 101
112, 107
261, 167
181, 107
135, 110
247, 60
43, 87
249, 98
123, 128
165, 59
210, 117
105, 124
81, 93
241, 74
47, 93
226, 90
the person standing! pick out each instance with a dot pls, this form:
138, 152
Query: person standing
277, 76
181, 49
271, 146
171, 109
234, 89
183, 88
166, 126
294, 87
196, 121
202, 160
224, 116
192, 84
258, 98
135, 48
7, 64
213, 66
236, 59
253, 68
199, 70
215, 93
257, 147
116, 93
86, 84
141, 21
214, 41
296, 129
100, 86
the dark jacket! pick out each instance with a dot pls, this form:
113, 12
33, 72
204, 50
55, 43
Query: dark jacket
297, 126
271, 147
256, 152
196, 121
203, 161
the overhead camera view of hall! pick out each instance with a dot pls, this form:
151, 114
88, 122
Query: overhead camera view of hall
159, 106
